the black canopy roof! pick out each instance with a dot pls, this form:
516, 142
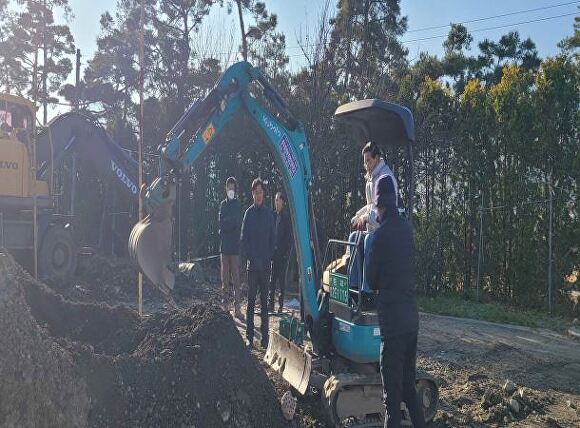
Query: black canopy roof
388, 124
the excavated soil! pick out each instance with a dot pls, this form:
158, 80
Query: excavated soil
39, 384
90, 364
113, 281
66, 363
106, 280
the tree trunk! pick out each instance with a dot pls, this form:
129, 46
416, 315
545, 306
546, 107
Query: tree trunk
44, 72
243, 30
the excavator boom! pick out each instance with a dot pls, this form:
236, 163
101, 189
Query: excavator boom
236, 92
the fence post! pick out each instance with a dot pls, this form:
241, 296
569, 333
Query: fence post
479, 250
550, 226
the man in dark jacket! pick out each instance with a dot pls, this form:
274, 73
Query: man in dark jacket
391, 272
283, 234
258, 247
229, 231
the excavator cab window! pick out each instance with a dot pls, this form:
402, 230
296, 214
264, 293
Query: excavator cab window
16, 121
5, 123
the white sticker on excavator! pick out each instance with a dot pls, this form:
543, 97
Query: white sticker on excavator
344, 327
376, 331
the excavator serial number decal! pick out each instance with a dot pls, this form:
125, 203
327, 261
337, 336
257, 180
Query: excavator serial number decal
208, 133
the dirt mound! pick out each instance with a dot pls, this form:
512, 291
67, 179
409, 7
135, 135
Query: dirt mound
90, 364
39, 385
196, 361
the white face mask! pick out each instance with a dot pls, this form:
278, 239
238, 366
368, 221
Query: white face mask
231, 194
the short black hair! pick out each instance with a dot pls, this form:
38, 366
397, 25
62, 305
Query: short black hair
372, 148
257, 182
232, 180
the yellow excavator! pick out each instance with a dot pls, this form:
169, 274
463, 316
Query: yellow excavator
21, 184
19, 187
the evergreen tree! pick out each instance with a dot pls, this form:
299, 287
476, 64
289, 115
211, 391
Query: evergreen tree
36, 51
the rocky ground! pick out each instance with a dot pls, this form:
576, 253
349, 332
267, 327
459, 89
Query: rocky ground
495, 374
102, 365
509, 376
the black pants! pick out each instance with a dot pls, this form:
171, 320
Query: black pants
257, 280
278, 277
398, 365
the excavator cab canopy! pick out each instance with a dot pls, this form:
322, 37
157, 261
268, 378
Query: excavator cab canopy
389, 125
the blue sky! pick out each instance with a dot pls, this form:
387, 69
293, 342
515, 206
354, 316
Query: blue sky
297, 17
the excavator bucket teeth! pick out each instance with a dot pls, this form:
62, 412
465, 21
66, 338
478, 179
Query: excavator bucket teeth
150, 248
290, 360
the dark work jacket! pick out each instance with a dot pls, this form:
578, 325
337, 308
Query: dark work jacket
391, 271
283, 233
258, 237
230, 216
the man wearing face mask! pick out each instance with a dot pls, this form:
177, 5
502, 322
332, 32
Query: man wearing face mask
230, 217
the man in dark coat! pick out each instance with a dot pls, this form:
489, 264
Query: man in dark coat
391, 272
283, 234
258, 247
229, 231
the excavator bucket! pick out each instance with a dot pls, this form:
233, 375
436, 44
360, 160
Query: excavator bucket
150, 242
290, 360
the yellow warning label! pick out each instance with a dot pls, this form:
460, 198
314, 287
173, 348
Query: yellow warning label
208, 133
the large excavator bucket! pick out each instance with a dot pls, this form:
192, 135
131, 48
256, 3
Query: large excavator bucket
150, 242
290, 360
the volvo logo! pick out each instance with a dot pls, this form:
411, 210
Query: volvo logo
8, 165
123, 177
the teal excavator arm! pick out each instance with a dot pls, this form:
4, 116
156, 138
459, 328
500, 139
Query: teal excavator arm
150, 241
